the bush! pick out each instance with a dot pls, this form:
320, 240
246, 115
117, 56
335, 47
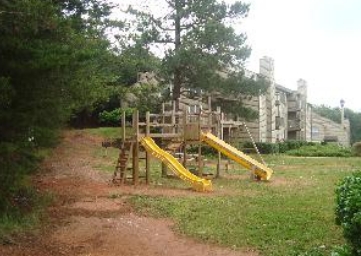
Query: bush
348, 210
294, 144
206, 151
113, 117
281, 147
267, 148
318, 150
263, 147
356, 148
16, 163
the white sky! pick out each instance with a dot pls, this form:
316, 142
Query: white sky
317, 40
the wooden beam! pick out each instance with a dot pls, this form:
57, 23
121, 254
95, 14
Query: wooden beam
185, 116
123, 126
147, 155
164, 166
136, 148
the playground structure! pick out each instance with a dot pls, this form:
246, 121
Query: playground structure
175, 131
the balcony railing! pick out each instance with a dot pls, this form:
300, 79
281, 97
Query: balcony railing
294, 125
293, 106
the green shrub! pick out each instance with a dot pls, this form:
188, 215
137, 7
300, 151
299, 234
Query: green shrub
281, 147
15, 164
263, 147
318, 150
348, 210
206, 151
113, 117
356, 147
293, 144
267, 148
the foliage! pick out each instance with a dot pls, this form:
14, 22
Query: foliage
132, 60
356, 147
318, 150
53, 56
207, 52
301, 148
334, 114
282, 147
348, 210
108, 132
342, 251
45, 67
16, 163
113, 117
124, 91
322, 251
206, 151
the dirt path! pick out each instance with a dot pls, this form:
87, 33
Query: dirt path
86, 221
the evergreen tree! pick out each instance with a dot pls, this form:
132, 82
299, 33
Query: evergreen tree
202, 48
52, 60
50, 66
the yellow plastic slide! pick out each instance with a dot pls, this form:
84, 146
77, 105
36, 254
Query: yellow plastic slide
197, 183
261, 171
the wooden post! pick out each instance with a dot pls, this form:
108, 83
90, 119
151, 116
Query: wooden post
220, 135
174, 130
123, 127
164, 166
210, 103
136, 148
210, 121
199, 158
230, 143
185, 116
147, 155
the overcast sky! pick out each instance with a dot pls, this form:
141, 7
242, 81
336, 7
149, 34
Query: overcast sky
317, 40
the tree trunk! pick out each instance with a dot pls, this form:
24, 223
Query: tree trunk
177, 82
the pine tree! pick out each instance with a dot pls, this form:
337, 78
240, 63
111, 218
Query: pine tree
202, 48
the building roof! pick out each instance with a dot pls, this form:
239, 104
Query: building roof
283, 89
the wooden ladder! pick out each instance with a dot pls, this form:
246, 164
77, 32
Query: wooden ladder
122, 163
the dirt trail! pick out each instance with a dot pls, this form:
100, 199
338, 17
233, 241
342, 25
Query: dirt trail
85, 221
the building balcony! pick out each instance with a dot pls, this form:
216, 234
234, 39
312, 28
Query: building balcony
293, 106
294, 125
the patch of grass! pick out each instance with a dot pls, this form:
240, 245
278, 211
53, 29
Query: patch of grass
108, 132
290, 215
26, 217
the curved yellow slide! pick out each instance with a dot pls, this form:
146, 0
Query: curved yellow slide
197, 183
261, 171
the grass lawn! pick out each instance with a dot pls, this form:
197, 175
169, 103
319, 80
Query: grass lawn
289, 215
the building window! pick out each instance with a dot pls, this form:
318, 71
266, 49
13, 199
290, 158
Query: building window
315, 131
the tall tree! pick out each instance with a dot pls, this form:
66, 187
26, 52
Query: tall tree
203, 50
51, 63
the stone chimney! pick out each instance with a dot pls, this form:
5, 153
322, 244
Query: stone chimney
267, 110
266, 67
342, 104
302, 87
304, 120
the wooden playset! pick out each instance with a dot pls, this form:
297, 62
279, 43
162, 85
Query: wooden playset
176, 131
